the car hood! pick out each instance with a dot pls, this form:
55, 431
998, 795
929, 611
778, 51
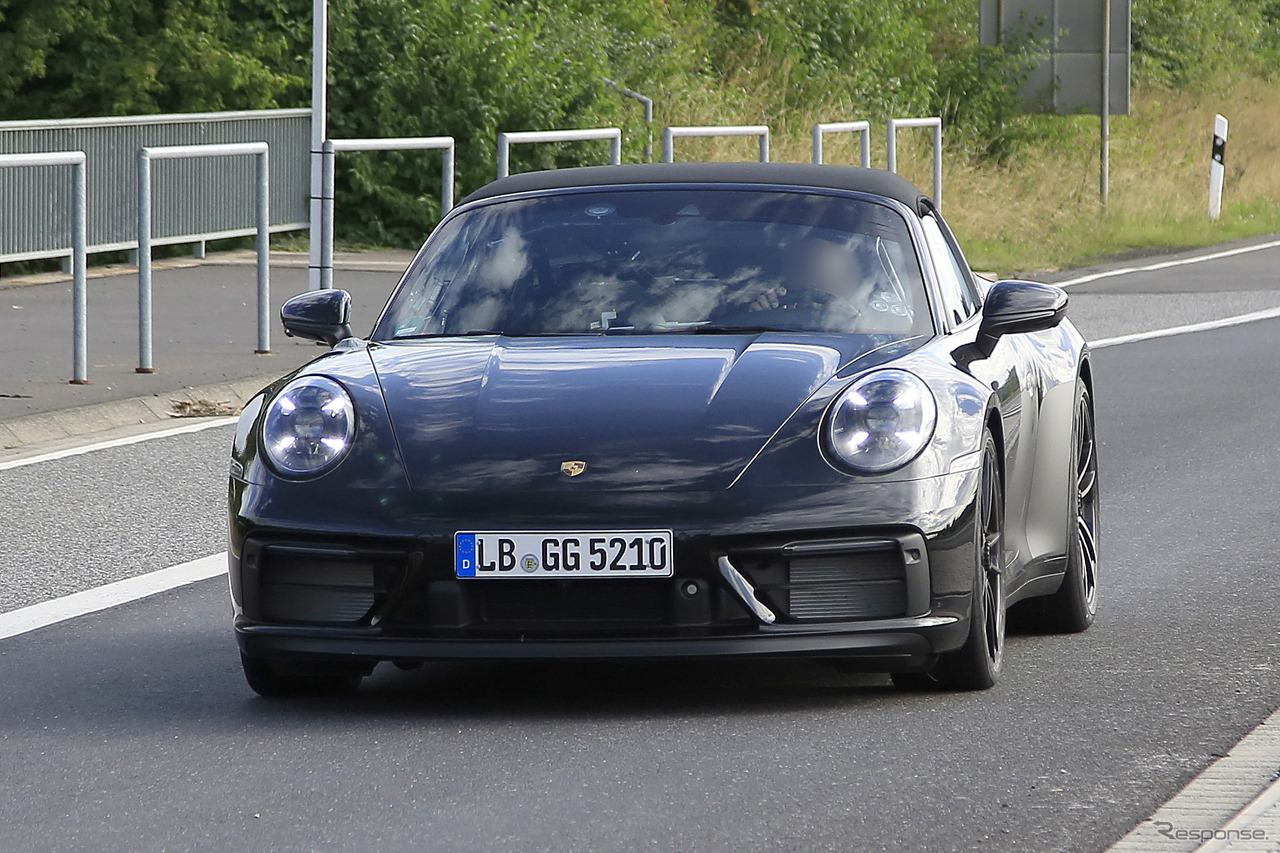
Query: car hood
680, 412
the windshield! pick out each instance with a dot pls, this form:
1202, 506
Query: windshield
662, 261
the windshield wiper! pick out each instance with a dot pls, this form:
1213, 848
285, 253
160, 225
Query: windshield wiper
481, 333
475, 333
713, 329
706, 329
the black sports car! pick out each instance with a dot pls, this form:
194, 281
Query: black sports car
671, 411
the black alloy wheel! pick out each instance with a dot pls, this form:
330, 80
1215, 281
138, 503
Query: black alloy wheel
978, 663
1073, 607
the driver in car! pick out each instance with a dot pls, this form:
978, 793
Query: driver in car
829, 277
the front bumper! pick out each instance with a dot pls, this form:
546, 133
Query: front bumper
871, 579
899, 645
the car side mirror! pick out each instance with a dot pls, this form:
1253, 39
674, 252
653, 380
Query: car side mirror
1015, 307
320, 315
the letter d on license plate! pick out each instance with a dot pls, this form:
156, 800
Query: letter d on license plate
591, 554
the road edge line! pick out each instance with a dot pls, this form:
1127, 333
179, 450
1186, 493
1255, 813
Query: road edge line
125, 441
1172, 331
1163, 265
36, 616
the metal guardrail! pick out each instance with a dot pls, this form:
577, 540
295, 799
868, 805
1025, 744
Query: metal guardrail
892, 140
79, 257
260, 151
506, 140
862, 128
110, 146
413, 143
670, 134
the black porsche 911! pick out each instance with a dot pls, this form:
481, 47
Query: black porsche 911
667, 411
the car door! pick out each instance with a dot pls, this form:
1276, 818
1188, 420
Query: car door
1008, 372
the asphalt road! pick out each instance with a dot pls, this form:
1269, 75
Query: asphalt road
133, 729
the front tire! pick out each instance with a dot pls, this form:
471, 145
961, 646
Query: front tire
1073, 607
274, 679
978, 663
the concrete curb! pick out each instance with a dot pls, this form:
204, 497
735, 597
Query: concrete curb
1194, 819
18, 435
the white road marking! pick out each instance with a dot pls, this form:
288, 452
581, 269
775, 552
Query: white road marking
46, 613
1207, 326
1164, 265
117, 442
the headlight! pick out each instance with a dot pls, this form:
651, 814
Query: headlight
308, 427
881, 422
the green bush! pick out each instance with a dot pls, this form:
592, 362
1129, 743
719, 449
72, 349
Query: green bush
1191, 43
471, 69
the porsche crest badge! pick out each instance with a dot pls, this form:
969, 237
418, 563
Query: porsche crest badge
573, 467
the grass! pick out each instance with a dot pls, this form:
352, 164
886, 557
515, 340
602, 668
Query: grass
1040, 209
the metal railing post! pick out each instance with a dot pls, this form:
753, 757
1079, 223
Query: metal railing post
647, 103
504, 155
319, 132
262, 228
507, 139
264, 254
937, 164
79, 248
935, 123
144, 263
670, 134
326, 214
80, 274
862, 128
329, 161
446, 180
648, 122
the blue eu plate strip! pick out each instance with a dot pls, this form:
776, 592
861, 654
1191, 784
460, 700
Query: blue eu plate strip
464, 555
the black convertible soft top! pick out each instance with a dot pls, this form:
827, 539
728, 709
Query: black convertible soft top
873, 181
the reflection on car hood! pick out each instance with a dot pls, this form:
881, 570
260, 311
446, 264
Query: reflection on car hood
503, 414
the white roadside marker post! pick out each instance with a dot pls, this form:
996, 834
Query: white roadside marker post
1217, 166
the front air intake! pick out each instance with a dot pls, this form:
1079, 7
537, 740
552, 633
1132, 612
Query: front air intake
844, 580
843, 587
316, 585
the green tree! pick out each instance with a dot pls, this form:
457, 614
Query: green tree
470, 69
62, 58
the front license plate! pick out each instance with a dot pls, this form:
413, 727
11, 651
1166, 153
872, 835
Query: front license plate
594, 554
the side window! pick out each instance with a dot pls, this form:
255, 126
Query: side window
959, 299
968, 283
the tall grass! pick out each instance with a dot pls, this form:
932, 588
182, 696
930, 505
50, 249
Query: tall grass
1039, 209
